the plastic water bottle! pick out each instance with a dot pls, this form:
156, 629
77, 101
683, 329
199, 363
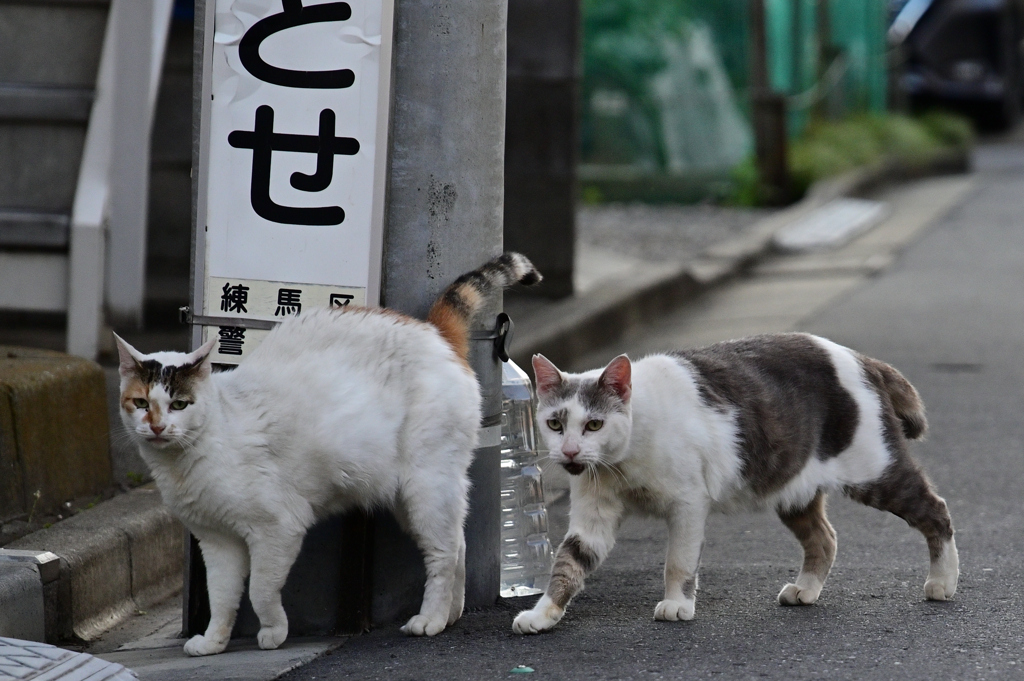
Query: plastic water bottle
525, 549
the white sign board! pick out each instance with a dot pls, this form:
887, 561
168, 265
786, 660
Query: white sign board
292, 159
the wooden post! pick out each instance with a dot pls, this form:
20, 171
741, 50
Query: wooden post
768, 112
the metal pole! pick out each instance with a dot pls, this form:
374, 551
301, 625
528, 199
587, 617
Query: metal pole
443, 218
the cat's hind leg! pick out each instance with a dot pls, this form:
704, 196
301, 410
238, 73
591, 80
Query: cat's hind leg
459, 588
685, 543
227, 564
273, 553
435, 514
815, 533
904, 491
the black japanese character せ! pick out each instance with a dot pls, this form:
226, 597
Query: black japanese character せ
264, 142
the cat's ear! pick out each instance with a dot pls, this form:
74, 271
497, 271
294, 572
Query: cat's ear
200, 359
618, 377
129, 357
547, 374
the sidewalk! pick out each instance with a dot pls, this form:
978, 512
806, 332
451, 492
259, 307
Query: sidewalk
633, 289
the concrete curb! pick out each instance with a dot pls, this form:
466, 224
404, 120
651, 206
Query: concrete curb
21, 602
123, 555
567, 330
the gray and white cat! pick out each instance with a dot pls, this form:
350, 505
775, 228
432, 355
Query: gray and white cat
774, 421
335, 409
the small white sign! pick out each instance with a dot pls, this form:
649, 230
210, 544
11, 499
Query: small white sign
295, 115
272, 301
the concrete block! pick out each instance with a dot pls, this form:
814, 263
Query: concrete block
47, 564
124, 554
21, 602
54, 431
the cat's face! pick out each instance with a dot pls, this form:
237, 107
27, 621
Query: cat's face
162, 401
585, 420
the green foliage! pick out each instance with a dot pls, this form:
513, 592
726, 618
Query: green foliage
828, 148
831, 148
746, 185
591, 195
952, 130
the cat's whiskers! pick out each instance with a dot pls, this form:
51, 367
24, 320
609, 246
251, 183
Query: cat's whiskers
616, 473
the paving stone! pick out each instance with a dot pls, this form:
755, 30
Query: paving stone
32, 661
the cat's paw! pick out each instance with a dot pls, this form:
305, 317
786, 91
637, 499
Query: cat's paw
673, 611
270, 638
420, 625
943, 575
939, 588
197, 646
792, 594
537, 620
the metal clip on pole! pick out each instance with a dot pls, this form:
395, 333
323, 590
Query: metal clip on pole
501, 335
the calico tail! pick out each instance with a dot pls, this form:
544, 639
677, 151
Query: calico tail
906, 402
454, 310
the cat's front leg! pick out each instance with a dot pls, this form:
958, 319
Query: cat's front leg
685, 542
273, 553
590, 538
227, 564
576, 558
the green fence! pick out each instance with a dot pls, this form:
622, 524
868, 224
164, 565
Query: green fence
665, 85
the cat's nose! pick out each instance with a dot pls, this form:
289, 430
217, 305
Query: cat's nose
157, 429
570, 452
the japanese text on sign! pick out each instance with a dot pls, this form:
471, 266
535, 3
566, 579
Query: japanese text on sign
296, 132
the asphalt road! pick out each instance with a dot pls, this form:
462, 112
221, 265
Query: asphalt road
949, 313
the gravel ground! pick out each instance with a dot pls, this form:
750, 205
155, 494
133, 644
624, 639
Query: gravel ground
661, 232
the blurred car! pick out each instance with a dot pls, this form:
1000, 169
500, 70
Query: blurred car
962, 51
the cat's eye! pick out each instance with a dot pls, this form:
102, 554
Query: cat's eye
178, 405
594, 424
555, 425
140, 403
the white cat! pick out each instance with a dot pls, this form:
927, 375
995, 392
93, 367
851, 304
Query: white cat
773, 421
335, 409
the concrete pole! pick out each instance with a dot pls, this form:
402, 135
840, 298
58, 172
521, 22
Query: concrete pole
443, 218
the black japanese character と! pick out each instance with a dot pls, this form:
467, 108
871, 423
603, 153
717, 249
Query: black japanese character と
231, 340
294, 14
288, 302
264, 142
234, 298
